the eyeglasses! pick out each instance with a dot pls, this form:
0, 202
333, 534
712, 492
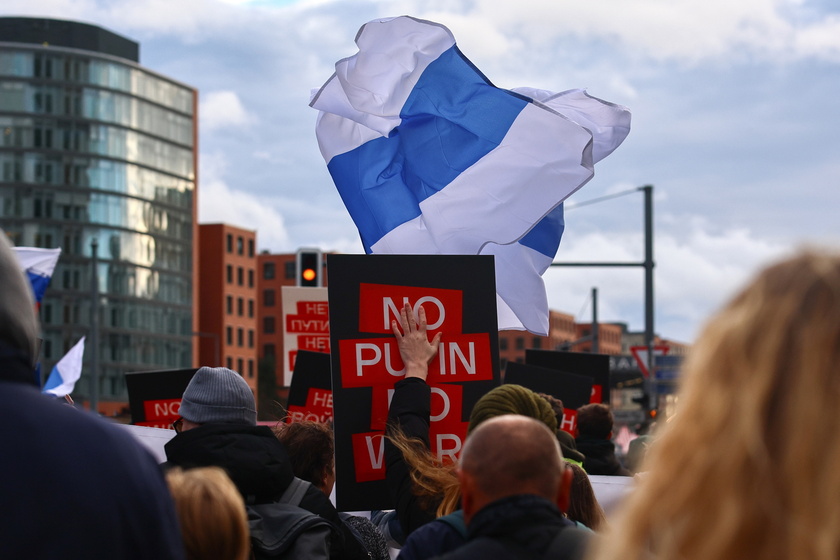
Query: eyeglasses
178, 425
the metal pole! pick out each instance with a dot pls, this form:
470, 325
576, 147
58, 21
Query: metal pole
94, 328
649, 264
595, 320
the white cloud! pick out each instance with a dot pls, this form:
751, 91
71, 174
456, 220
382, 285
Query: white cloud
219, 203
694, 275
220, 109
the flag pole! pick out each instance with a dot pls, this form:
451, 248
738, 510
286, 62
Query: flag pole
94, 329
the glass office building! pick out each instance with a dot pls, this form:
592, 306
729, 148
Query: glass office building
94, 148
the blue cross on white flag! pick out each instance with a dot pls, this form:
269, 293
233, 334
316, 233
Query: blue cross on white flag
430, 158
66, 372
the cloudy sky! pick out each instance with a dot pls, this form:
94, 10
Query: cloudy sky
735, 105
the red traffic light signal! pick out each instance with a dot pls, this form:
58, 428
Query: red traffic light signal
309, 265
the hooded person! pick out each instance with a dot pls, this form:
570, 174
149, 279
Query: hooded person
218, 427
75, 486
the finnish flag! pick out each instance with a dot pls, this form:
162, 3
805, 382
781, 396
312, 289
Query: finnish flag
430, 158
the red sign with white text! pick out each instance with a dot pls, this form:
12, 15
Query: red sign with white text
380, 304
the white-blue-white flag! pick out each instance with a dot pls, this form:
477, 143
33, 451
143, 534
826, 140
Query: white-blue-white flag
66, 372
430, 158
38, 265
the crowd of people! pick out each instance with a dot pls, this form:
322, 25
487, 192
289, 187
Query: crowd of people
744, 469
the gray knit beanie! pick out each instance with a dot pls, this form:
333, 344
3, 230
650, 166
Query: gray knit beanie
218, 395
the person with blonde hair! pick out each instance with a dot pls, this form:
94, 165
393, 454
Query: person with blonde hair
748, 466
211, 512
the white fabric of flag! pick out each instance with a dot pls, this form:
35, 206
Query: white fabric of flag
38, 265
66, 372
430, 158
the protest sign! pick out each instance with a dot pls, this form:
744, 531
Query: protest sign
574, 390
596, 366
366, 293
154, 397
310, 395
306, 325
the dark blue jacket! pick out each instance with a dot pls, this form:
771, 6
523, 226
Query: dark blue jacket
520, 527
74, 486
435, 538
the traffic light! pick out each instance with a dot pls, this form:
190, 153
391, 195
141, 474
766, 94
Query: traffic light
309, 267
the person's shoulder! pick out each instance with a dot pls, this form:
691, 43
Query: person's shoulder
437, 537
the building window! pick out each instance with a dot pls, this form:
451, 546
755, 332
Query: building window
268, 325
537, 343
250, 277
250, 247
268, 298
520, 343
291, 270
240, 246
269, 350
229, 362
251, 369
268, 271
229, 274
230, 305
229, 335
229, 243
240, 337
503, 343
250, 308
250, 338
240, 276
239, 365
240, 306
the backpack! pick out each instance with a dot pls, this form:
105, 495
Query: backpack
283, 530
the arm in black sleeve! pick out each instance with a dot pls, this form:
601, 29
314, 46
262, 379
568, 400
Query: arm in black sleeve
409, 410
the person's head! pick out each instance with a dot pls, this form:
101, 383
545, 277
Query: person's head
556, 405
217, 395
18, 321
510, 455
214, 524
583, 505
594, 420
311, 448
748, 465
512, 399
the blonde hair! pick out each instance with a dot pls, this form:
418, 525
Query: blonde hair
433, 482
748, 466
214, 524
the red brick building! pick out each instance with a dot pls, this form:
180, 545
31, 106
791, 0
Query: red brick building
227, 306
274, 272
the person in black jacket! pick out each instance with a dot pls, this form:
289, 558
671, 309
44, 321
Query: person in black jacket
218, 427
514, 489
73, 485
594, 440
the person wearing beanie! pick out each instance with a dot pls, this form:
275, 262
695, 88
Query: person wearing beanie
74, 486
512, 399
218, 427
428, 535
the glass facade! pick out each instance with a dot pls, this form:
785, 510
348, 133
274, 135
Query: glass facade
94, 147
